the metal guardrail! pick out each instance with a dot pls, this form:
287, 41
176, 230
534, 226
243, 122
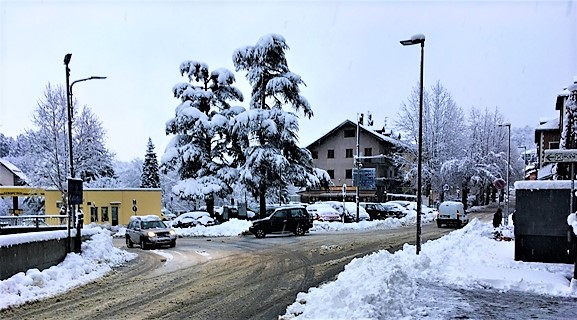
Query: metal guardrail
34, 221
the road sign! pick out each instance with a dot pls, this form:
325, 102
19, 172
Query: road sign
499, 183
560, 155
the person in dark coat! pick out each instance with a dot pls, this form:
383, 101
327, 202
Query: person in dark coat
497, 217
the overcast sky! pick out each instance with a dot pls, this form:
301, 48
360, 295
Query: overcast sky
514, 55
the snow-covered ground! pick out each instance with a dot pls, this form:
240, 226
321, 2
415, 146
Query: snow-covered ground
469, 258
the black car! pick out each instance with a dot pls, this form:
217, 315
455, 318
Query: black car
291, 219
375, 210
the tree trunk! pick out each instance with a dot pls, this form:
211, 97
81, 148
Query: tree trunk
262, 199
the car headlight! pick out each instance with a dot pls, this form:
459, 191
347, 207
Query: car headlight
172, 232
151, 234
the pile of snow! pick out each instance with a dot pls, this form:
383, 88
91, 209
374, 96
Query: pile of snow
97, 258
466, 258
389, 223
231, 228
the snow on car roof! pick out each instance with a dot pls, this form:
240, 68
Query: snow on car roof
148, 217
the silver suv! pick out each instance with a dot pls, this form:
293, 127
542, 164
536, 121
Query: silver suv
148, 231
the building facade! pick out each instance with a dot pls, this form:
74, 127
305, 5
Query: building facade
110, 206
335, 152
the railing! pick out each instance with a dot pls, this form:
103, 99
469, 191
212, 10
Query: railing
34, 221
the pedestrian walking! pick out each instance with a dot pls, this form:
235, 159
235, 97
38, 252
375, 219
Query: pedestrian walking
497, 217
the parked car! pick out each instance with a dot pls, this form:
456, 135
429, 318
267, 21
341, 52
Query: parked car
394, 209
167, 215
287, 219
193, 219
323, 212
452, 213
375, 210
148, 231
351, 213
424, 208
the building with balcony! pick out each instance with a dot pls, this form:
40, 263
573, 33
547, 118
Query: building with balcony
335, 152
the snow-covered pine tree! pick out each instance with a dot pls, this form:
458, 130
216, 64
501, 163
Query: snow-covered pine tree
202, 150
150, 177
272, 158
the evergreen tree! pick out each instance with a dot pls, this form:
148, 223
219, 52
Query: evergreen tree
150, 177
202, 150
272, 159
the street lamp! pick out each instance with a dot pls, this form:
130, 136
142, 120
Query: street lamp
419, 39
506, 216
69, 86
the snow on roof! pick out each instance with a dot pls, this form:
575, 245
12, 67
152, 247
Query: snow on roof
14, 169
367, 129
545, 172
552, 124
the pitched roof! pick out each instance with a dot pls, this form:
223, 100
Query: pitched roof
12, 168
364, 129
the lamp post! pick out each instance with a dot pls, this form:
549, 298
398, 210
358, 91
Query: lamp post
506, 215
419, 39
69, 86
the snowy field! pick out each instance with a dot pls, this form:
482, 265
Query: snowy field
467, 258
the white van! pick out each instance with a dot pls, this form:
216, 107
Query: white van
452, 213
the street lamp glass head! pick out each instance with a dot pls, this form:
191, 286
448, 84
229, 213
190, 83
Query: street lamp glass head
506, 124
416, 39
67, 58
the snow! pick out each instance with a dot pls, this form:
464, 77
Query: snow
418, 36
379, 285
97, 259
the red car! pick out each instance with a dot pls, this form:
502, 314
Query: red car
323, 212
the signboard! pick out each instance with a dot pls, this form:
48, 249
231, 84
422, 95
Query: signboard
74, 191
365, 178
15, 211
10, 191
560, 155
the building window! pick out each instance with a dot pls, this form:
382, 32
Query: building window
104, 211
349, 153
331, 173
315, 154
554, 145
331, 154
349, 133
349, 174
368, 151
93, 214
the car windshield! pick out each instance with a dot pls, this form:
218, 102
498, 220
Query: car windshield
153, 224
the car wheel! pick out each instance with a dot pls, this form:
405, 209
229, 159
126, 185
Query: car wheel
129, 243
143, 244
173, 243
300, 231
260, 233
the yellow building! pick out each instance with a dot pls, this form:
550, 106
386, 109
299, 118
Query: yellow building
108, 205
